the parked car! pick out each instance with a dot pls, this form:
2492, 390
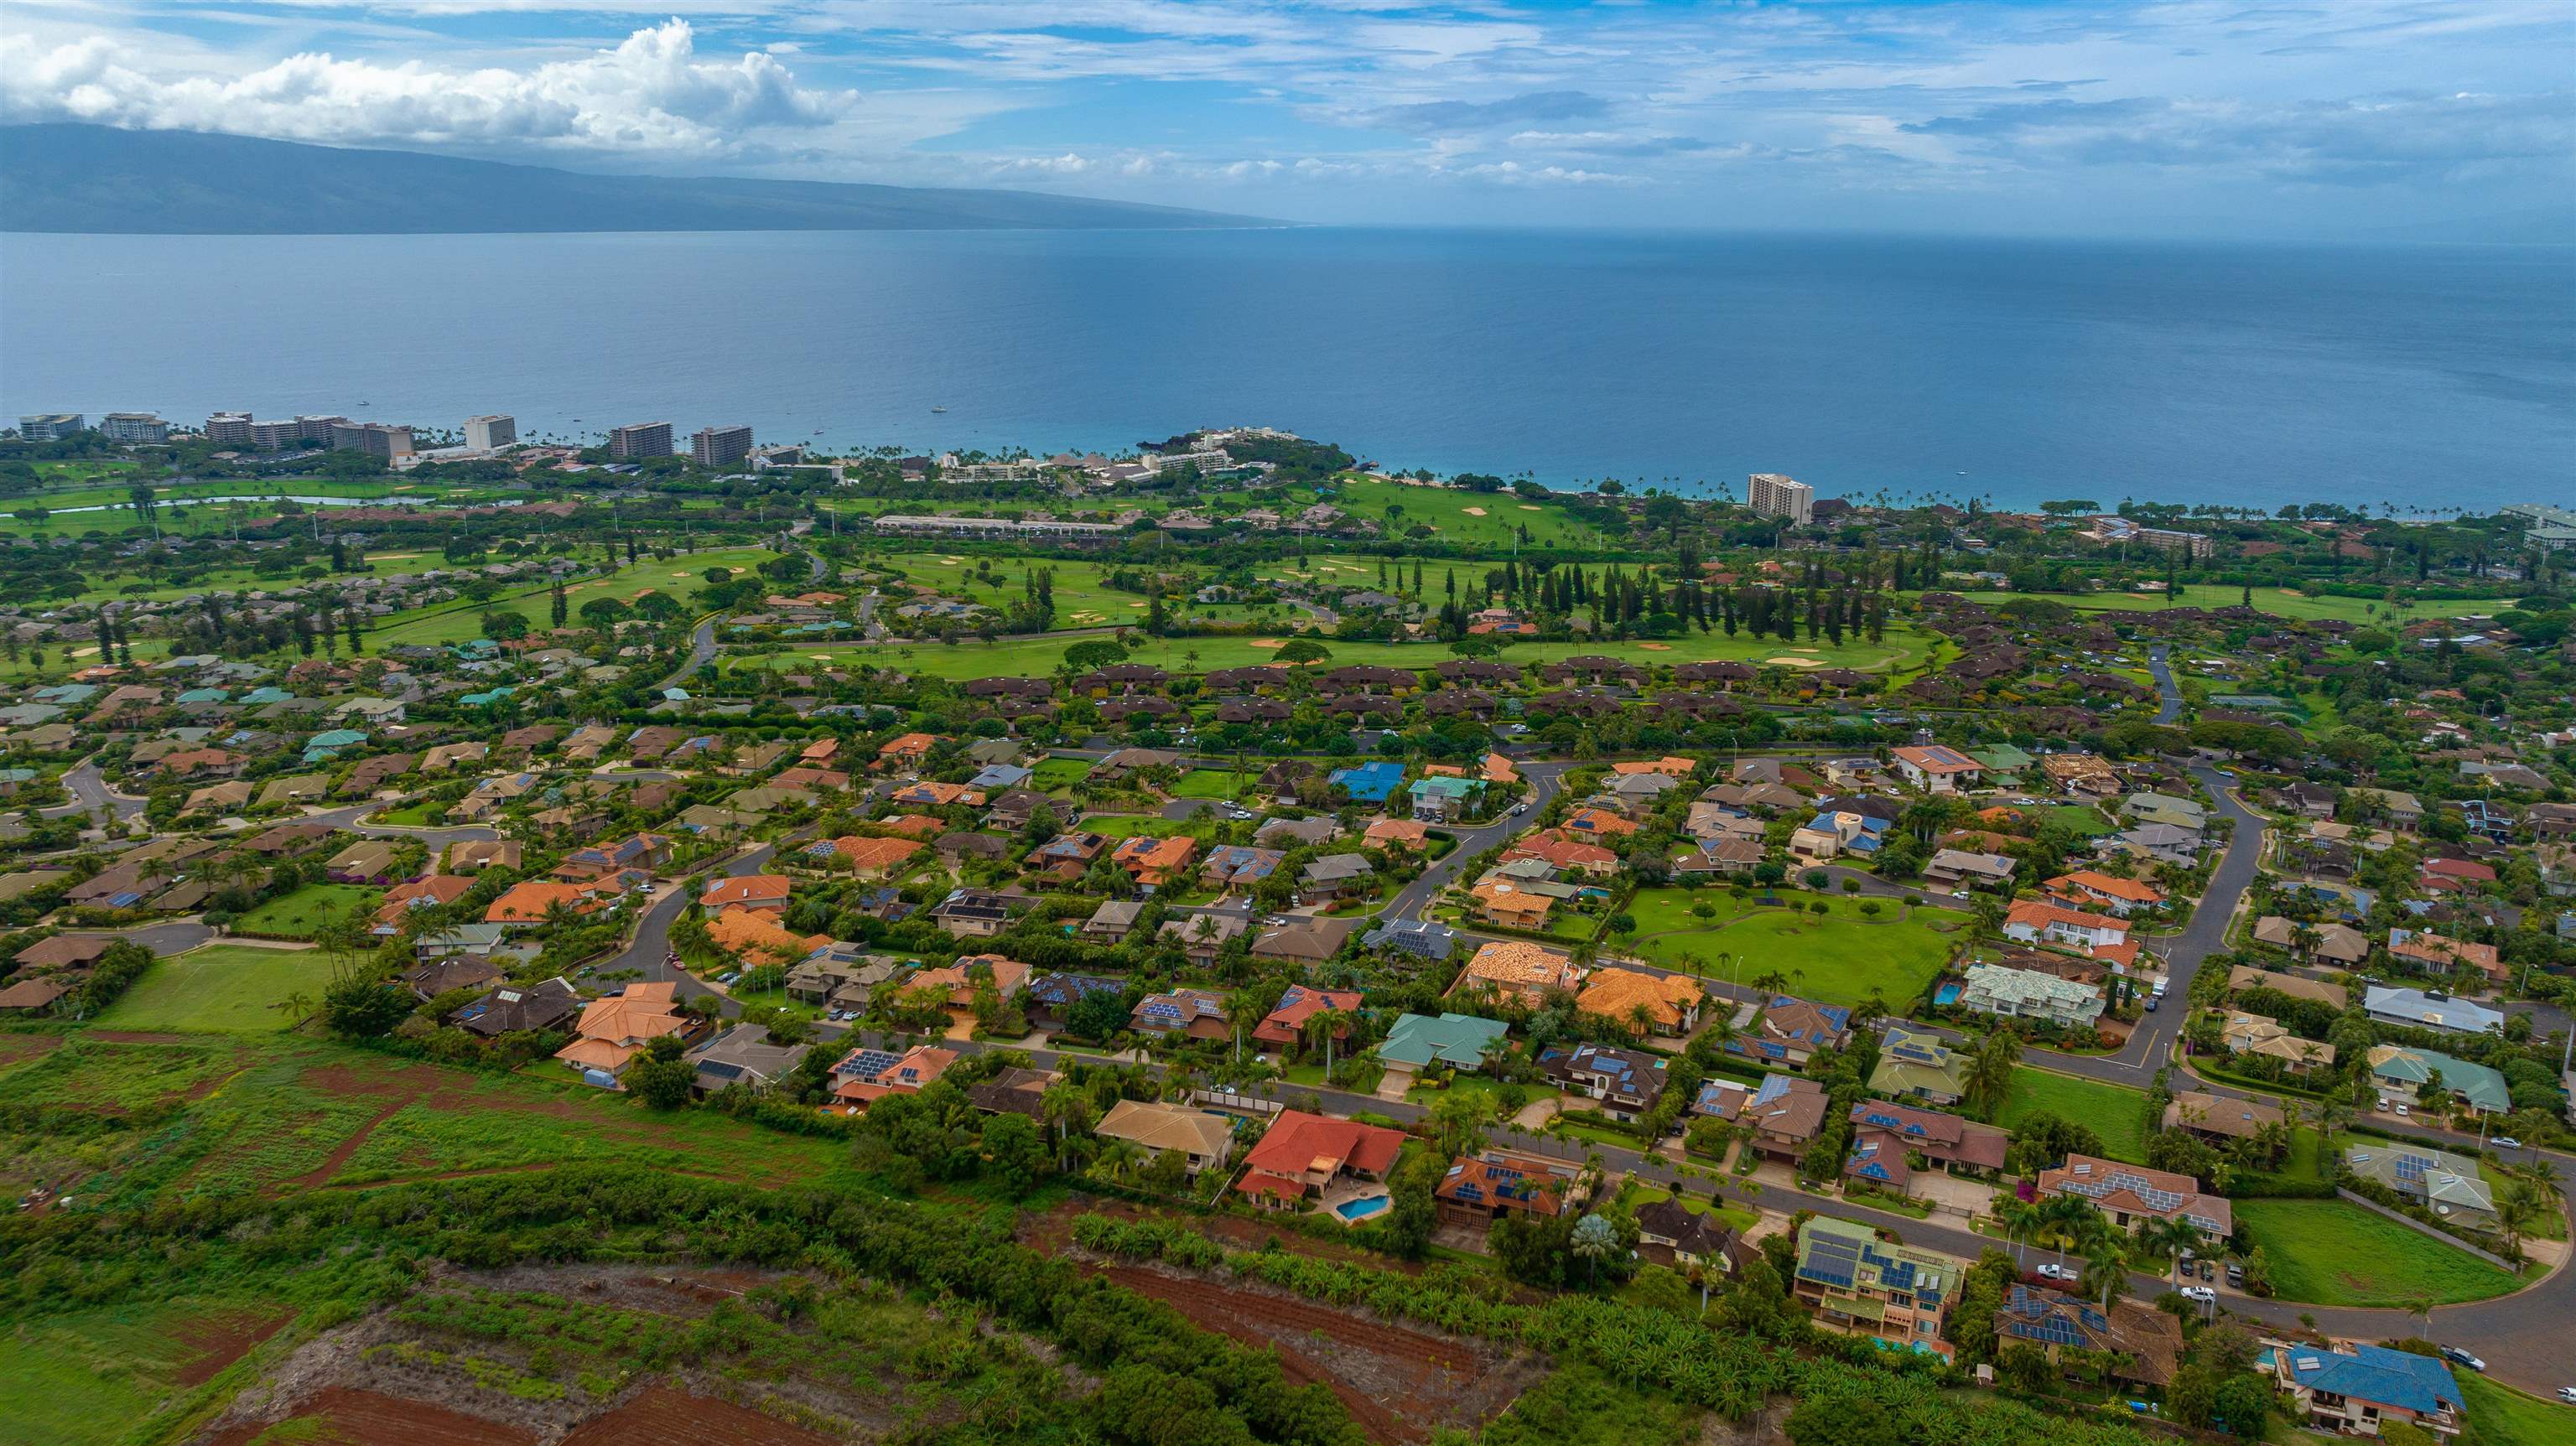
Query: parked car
2152, 1001
2401, 1111
2505, 1142
2235, 1274
2567, 1394
2051, 1270
2383, 1102
2459, 1357
2200, 1294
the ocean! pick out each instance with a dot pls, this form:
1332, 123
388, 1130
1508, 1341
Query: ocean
2427, 379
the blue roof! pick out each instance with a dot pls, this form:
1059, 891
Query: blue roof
2377, 1374
1369, 782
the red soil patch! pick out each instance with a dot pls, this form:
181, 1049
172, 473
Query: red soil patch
660, 1416
345, 1417
1052, 1232
340, 1154
218, 1339
16, 1047
1396, 1383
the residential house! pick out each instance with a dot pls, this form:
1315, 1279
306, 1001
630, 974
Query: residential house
1113, 921
1335, 877
2130, 1195
2357, 1388
1202, 934
519, 1009
1153, 862
1457, 1040
872, 858
865, 1076
1936, 769
1284, 1027
2141, 1344
2429, 1009
2428, 950
1784, 1115
1392, 834
1204, 1140
1049, 998
743, 1056
2403, 1072
454, 971
2297, 986
1529, 971
1672, 1235
1660, 1004
473, 856
1885, 1136
1961, 869
2216, 1118
2448, 1185
2244, 1033
1509, 905
615, 1028
534, 901
1301, 939
766, 893
2122, 897
974, 913
1484, 1187
1917, 1064
1232, 866
1626, 1082
1790, 1031
1304, 1157
2033, 921
2029, 994
1858, 1284
2166, 809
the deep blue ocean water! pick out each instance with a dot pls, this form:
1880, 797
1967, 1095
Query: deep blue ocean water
2430, 378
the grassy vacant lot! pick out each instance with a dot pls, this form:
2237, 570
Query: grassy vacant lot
2084, 819
2278, 601
219, 987
2114, 1112
301, 915
283, 1111
1054, 773
2332, 1252
1840, 958
1901, 649
1212, 783
2504, 1416
87, 1375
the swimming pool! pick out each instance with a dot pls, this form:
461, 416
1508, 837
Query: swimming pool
1362, 1209
1948, 993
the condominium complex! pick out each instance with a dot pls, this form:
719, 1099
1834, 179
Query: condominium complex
640, 440
373, 438
133, 427
491, 433
719, 446
229, 428
49, 426
1773, 495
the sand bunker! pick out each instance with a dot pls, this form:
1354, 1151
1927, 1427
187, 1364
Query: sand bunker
1656, 647
1135, 605
391, 556
1529, 507
1795, 662
1269, 642
1475, 511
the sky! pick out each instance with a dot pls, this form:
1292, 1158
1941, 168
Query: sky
2397, 120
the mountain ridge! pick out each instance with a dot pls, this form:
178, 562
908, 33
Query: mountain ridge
70, 178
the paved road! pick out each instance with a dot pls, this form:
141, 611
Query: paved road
652, 945
91, 797
1544, 779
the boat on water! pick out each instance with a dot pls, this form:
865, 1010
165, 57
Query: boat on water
939, 409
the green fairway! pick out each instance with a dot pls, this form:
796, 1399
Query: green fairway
2332, 1252
1038, 656
220, 986
680, 576
301, 915
2116, 1113
2280, 602
1842, 957
85, 1376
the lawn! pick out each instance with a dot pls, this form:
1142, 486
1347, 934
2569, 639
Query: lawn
2332, 1252
2503, 1416
1840, 958
2084, 819
301, 915
1054, 773
219, 986
1212, 783
2115, 1112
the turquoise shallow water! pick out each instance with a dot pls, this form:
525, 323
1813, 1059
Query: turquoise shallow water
2434, 378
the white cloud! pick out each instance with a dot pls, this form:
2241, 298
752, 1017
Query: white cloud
650, 94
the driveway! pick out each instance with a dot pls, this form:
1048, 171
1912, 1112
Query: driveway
1544, 778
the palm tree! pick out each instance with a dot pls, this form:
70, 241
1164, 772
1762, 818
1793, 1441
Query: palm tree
2421, 1308
2063, 1221
1118, 1160
1770, 981
1326, 1025
2173, 1236
1065, 1107
1990, 1071
2106, 1260
2518, 1206
2018, 1218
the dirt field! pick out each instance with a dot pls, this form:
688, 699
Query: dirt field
216, 1341
659, 1416
342, 1417
1397, 1383
1053, 1232
19, 1048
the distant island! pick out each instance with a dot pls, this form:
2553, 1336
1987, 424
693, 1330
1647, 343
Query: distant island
96, 179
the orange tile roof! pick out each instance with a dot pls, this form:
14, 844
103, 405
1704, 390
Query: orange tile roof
875, 853
1512, 964
1406, 832
528, 902
909, 744
745, 933
1600, 821
1506, 902
1153, 860
748, 889
1499, 769
1614, 994
917, 825
2116, 887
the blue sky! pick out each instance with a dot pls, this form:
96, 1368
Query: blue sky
2371, 119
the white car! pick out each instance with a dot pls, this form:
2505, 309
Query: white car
2567, 1394
2505, 1142
2054, 1271
2200, 1294
2461, 1358
2401, 1111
